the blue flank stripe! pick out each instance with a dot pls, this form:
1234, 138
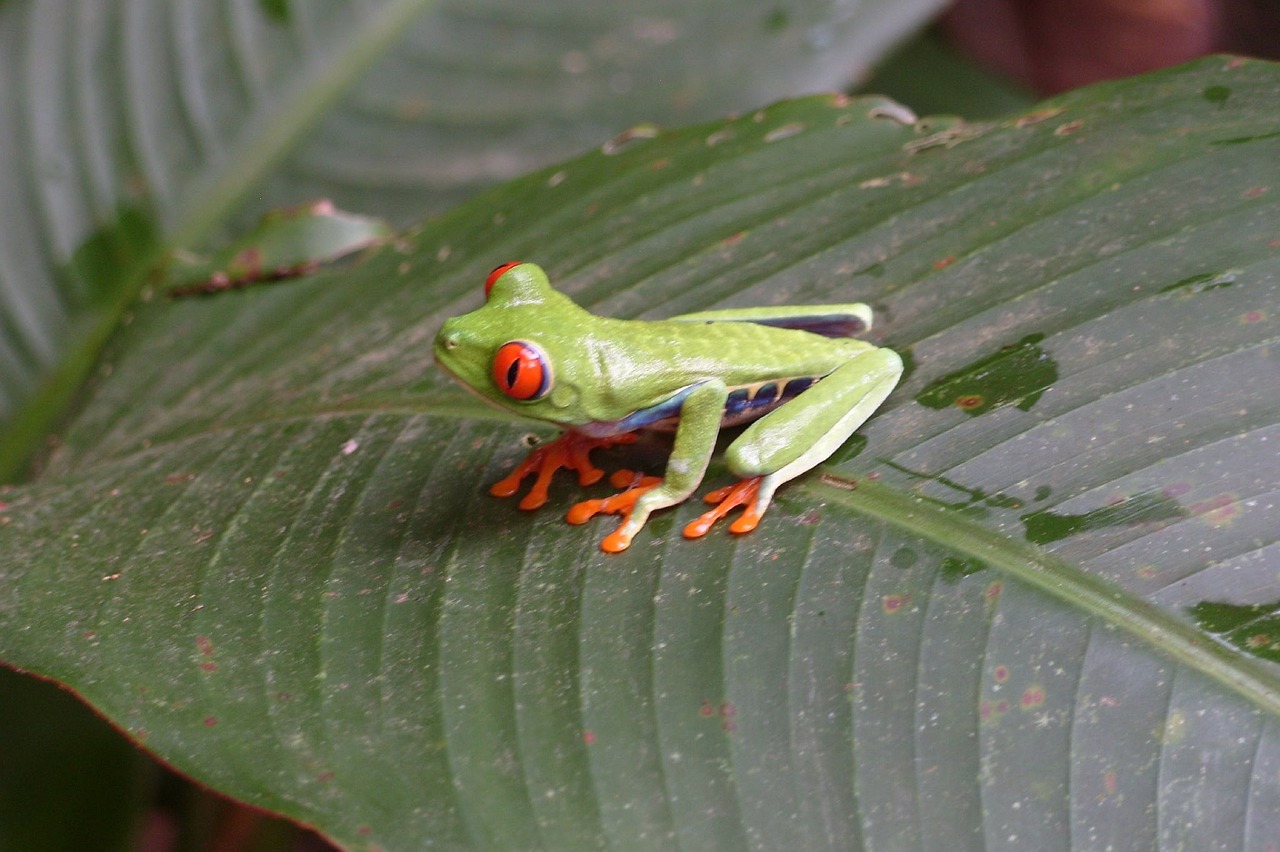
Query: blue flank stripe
740, 406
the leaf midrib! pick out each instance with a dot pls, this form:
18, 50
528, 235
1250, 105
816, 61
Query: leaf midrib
1162, 631
1249, 678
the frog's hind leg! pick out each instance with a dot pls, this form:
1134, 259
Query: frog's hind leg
791, 439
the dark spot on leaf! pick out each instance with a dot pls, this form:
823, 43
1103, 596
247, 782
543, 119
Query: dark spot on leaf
1253, 628
956, 568
1018, 373
908, 356
1204, 282
1241, 140
1216, 95
276, 11
776, 21
1044, 527
903, 557
850, 449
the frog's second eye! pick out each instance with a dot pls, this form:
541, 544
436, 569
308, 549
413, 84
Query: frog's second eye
497, 273
521, 370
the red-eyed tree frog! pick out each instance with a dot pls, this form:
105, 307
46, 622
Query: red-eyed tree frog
792, 372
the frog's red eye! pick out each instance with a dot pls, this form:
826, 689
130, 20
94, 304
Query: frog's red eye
497, 273
521, 370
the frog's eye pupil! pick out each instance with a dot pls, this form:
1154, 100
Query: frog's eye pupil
498, 272
521, 370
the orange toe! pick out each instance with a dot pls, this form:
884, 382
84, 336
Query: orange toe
727, 499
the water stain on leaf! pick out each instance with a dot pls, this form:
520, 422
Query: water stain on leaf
1204, 282
776, 21
1044, 527
903, 557
277, 11
1216, 95
1018, 373
974, 502
1253, 628
955, 568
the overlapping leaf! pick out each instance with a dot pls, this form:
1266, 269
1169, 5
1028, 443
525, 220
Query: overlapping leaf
132, 123
265, 550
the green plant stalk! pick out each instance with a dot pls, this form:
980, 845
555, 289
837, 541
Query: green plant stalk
1178, 640
201, 208
31, 425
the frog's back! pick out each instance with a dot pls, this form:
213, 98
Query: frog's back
762, 366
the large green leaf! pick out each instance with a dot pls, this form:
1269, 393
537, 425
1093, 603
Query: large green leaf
264, 547
125, 124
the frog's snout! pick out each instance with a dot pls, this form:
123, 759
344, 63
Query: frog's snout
448, 339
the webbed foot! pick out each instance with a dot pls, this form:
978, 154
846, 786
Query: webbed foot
744, 493
622, 503
570, 451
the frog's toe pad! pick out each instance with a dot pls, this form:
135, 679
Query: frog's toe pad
727, 499
619, 504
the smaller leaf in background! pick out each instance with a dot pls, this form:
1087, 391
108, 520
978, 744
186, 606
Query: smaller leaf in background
286, 243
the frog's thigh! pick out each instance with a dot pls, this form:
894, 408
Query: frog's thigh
798, 435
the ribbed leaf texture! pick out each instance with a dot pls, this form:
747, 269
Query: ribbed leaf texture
1034, 607
126, 125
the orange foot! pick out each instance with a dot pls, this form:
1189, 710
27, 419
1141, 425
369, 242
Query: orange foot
729, 498
569, 451
619, 504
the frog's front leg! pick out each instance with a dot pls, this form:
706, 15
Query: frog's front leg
570, 451
695, 440
791, 439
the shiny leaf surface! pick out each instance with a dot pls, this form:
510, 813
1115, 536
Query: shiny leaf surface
264, 546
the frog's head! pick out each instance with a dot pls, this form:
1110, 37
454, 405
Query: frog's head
500, 350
